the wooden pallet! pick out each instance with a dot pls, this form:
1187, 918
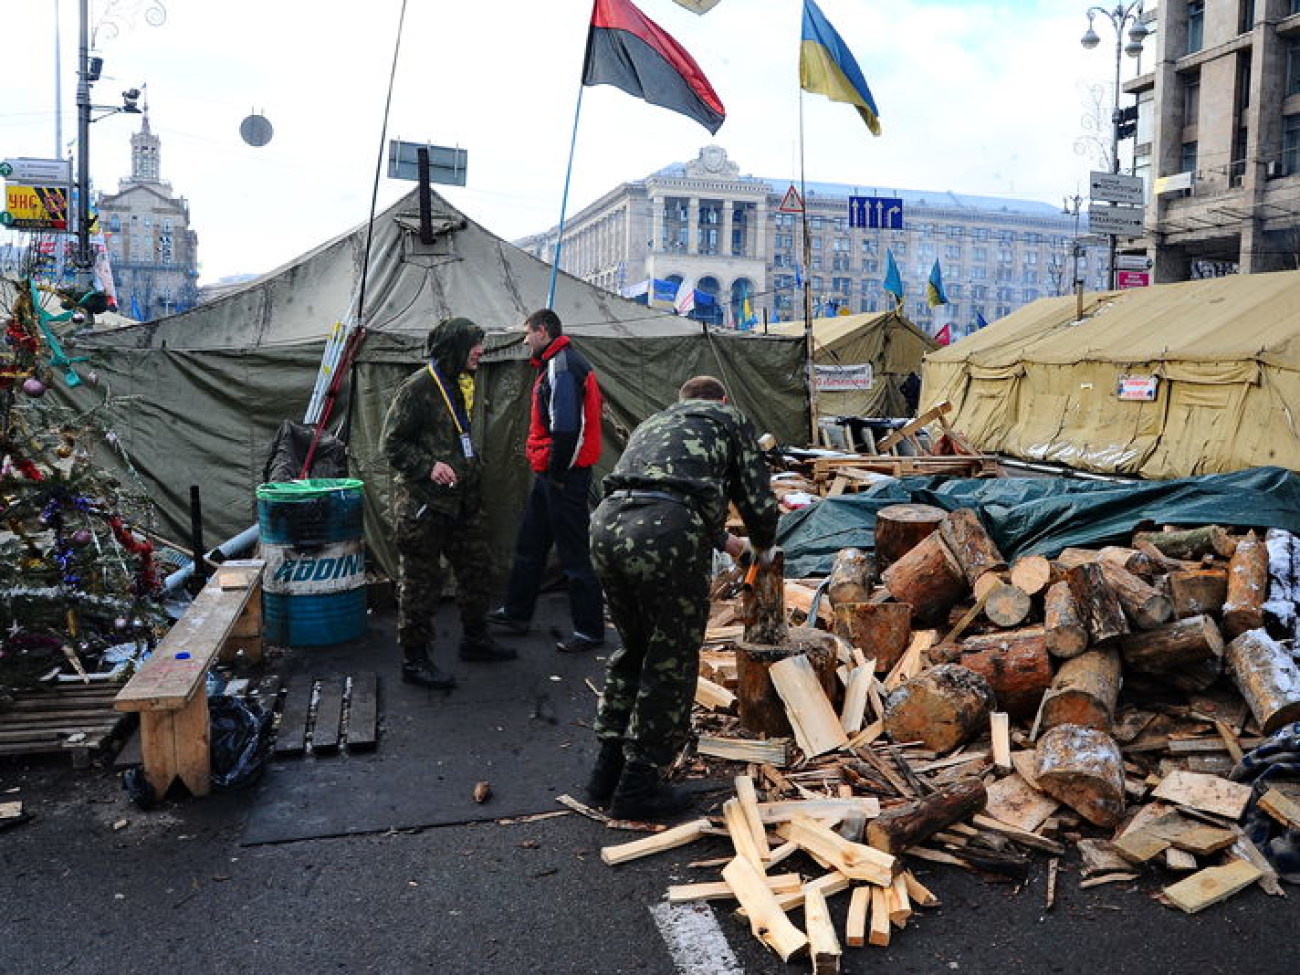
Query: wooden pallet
77, 719
326, 715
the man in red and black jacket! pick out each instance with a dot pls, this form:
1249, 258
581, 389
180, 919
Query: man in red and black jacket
563, 444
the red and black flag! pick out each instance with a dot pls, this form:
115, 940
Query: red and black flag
628, 50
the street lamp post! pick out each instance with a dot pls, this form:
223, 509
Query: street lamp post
1072, 208
1120, 17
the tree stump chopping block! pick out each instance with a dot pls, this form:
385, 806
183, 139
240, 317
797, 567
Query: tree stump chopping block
759, 706
1243, 609
940, 707
929, 579
1083, 768
1016, 665
900, 528
881, 631
852, 575
895, 829
1267, 677
971, 544
1083, 692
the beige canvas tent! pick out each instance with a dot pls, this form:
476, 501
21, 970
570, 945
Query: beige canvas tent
862, 360
197, 398
1168, 381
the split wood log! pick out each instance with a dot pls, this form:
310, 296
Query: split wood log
1176, 651
1145, 606
809, 710
1139, 563
669, 839
823, 943
763, 601
928, 578
1067, 636
940, 707
855, 860
767, 921
1267, 677
1283, 577
1099, 607
970, 543
1190, 543
852, 576
1016, 666
1031, 573
760, 709
1083, 692
880, 630
1198, 591
900, 827
1068, 558
1006, 605
988, 582
900, 528
1243, 609
1083, 768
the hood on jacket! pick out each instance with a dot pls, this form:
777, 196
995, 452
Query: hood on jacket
449, 343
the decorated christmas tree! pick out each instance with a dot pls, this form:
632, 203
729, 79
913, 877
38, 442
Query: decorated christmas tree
78, 573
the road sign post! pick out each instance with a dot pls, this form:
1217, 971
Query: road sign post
877, 212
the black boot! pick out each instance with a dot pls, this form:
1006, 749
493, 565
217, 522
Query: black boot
481, 647
605, 774
418, 668
641, 795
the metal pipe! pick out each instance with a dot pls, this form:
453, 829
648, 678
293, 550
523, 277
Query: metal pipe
231, 547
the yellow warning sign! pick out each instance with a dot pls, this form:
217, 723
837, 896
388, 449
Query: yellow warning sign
791, 202
36, 207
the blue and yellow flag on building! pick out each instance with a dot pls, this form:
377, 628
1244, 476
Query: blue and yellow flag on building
827, 67
934, 293
893, 280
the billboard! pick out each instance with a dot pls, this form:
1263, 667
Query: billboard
36, 207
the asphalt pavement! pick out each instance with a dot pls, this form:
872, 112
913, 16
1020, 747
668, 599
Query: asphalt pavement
384, 862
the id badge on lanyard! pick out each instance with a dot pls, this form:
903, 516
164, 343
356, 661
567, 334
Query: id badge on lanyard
466, 446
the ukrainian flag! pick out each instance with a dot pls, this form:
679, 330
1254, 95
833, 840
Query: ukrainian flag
934, 293
827, 67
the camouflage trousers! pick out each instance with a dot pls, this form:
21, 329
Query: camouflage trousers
653, 559
422, 542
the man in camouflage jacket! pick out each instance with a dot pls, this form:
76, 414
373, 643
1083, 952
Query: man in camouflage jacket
652, 542
438, 503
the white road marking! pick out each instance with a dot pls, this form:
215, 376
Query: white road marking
694, 939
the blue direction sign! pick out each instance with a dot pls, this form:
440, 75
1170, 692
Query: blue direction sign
879, 212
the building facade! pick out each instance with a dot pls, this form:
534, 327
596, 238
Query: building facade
1219, 138
732, 236
153, 251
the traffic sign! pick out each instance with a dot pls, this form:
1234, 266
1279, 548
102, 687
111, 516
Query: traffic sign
37, 172
881, 212
446, 165
791, 202
1132, 279
1116, 188
1133, 262
1116, 220
37, 207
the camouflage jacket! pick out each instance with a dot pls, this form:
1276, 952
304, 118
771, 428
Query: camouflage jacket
708, 452
420, 431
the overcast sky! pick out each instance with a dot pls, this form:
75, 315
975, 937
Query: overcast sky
986, 98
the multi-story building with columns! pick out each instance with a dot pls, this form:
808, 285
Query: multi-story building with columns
702, 222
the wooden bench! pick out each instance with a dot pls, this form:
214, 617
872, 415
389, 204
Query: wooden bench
170, 688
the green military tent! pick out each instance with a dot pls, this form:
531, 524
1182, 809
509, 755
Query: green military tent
201, 395
1174, 380
861, 361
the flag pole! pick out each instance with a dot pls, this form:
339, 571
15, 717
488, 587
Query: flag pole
809, 369
564, 204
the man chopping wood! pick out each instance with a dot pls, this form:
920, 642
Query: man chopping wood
652, 540
438, 503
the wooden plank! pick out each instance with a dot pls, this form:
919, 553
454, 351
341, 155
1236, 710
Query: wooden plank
1281, 807
747, 797
878, 931
784, 810
667, 840
327, 728
767, 920
711, 695
1014, 801
1203, 840
912, 426
1208, 793
781, 883
855, 925
1211, 885
773, 751
363, 712
1000, 732
855, 860
291, 734
823, 943
816, 726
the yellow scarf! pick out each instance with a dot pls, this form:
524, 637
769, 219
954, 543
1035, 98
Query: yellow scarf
466, 383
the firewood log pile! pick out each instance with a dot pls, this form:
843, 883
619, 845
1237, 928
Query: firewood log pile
932, 702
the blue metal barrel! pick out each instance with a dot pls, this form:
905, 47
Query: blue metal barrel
314, 586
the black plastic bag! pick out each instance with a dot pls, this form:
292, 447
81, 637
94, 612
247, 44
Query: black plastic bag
240, 744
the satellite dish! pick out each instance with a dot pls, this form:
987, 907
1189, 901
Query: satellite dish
256, 130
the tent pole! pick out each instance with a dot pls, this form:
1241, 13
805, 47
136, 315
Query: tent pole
564, 204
